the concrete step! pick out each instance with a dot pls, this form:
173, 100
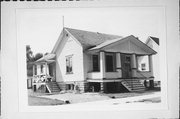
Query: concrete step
53, 87
133, 85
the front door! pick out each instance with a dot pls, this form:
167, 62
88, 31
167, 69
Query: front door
126, 65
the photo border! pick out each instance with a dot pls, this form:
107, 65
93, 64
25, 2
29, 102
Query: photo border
51, 5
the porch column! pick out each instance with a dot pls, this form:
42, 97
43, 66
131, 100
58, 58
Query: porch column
102, 64
118, 65
46, 71
133, 65
103, 87
150, 64
151, 70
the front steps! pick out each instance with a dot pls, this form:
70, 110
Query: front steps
53, 87
133, 85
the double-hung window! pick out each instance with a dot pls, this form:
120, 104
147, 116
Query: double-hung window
95, 59
69, 64
110, 62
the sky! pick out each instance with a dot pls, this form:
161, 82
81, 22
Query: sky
40, 28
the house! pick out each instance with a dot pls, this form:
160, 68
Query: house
93, 61
153, 43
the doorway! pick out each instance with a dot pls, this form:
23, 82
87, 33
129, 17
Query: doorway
126, 65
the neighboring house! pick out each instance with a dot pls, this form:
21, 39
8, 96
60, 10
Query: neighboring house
92, 61
153, 43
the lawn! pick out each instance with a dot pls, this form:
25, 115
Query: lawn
41, 101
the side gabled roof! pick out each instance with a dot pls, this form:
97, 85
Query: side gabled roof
90, 39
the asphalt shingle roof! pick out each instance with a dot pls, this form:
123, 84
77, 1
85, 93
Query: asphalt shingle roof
90, 39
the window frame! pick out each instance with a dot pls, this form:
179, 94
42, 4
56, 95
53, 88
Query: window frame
114, 61
147, 65
70, 64
98, 61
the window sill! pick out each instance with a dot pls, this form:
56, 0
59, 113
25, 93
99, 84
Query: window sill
67, 73
143, 71
111, 71
94, 72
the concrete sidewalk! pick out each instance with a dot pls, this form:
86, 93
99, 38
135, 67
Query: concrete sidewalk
125, 100
102, 100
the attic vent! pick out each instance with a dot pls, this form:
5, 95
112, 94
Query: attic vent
67, 35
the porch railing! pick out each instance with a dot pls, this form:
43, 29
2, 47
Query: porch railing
42, 78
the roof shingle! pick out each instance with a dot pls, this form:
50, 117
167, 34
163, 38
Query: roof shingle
90, 39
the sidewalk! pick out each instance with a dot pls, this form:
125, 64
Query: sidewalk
125, 100
103, 100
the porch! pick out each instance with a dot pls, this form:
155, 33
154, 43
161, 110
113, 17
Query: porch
44, 74
128, 61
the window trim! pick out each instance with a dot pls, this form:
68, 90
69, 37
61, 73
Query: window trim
137, 64
69, 57
114, 61
98, 63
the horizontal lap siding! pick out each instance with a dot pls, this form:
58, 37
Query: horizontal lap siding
70, 47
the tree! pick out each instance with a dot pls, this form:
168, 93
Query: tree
29, 60
29, 54
38, 56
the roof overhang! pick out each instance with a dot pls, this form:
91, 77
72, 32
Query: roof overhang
49, 58
129, 44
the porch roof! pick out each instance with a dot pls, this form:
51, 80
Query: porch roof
49, 58
129, 44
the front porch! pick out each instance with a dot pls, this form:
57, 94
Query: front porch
121, 62
44, 75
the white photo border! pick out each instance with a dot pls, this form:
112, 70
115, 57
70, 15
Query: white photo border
162, 110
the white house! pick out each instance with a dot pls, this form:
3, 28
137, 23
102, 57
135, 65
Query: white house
153, 43
92, 61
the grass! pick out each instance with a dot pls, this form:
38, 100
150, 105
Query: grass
39, 101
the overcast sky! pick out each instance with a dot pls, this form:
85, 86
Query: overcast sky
40, 28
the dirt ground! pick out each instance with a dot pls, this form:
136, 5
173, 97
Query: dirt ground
72, 97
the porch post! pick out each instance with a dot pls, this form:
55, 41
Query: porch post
46, 70
133, 65
150, 64
118, 64
102, 64
151, 70
103, 87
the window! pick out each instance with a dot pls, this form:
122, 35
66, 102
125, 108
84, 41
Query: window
110, 62
143, 66
143, 63
35, 68
95, 63
42, 68
69, 64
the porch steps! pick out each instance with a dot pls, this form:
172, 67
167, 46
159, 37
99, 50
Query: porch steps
53, 87
133, 85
